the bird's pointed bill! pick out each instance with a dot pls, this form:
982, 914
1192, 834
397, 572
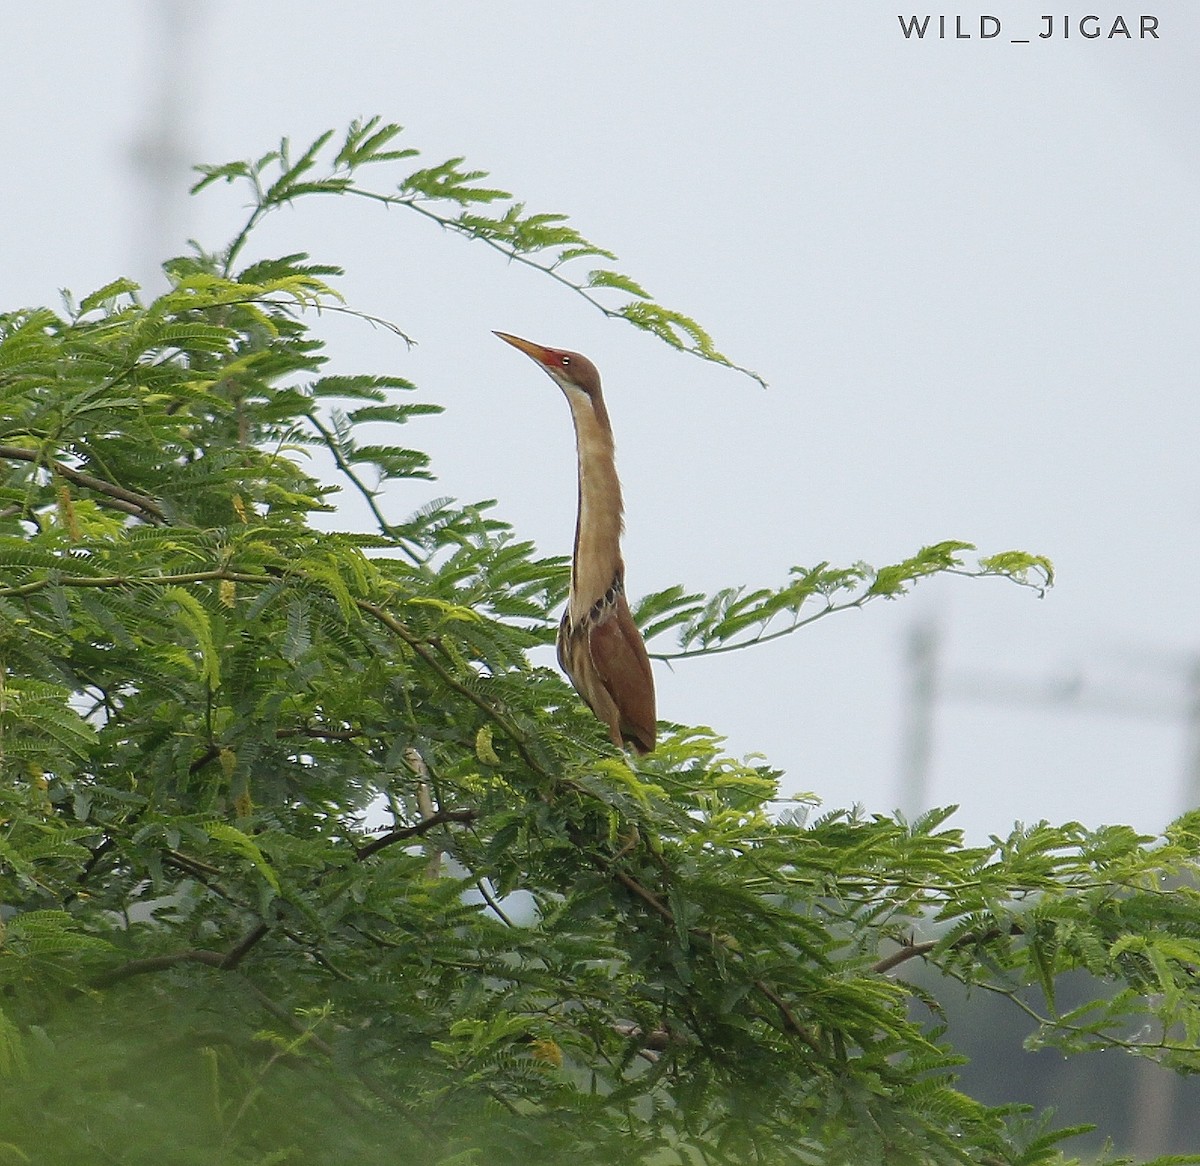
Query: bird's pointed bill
536, 351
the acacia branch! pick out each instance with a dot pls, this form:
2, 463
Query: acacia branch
115, 496
645, 894
763, 637
281, 1014
285, 1017
420, 646
193, 867
319, 734
213, 959
907, 952
490, 900
212, 751
425, 651
516, 255
106, 581
912, 950
404, 833
160, 963
239, 951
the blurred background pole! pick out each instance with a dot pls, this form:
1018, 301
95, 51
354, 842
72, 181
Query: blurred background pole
921, 663
162, 154
1156, 1090
1191, 776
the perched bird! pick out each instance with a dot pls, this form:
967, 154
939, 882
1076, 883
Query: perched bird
599, 646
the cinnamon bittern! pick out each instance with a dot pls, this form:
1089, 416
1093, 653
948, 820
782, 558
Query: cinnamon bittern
599, 646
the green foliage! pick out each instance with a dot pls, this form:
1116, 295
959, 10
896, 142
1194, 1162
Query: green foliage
736, 618
451, 196
548, 952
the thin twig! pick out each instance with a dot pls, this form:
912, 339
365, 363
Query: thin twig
319, 734
645, 894
189, 865
490, 900
513, 254
422, 649
791, 1023
425, 806
104, 581
765, 637
160, 963
386, 528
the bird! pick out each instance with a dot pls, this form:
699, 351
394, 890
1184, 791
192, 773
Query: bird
599, 646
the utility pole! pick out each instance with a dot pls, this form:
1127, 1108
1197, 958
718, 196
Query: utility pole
921, 658
1191, 776
1070, 692
161, 150
1156, 1092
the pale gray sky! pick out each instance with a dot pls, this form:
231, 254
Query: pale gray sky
967, 268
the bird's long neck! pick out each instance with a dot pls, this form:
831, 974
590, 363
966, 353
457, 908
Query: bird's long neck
598, 527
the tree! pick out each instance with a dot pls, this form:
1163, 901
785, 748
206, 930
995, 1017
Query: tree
551, 951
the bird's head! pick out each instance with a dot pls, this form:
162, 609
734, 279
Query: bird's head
571, 371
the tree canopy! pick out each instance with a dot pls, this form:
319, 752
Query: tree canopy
209, 703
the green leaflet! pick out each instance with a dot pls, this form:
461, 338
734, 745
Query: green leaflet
244, 846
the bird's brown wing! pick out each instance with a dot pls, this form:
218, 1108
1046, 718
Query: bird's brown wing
619, 657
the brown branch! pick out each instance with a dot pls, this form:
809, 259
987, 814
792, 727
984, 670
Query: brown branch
285, 1017
210, 754
645, 894
117, 497
320, 734
907, 952
98, 852
785, 1011
241, 949
404, 833
227, 961
212, 751
194, 867
912, 950
160, 963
